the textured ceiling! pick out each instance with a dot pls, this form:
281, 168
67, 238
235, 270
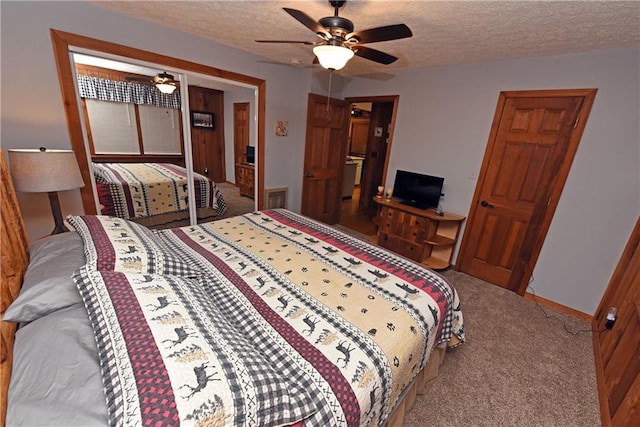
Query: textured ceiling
444, 32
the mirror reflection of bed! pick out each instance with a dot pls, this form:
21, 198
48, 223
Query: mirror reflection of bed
135, 140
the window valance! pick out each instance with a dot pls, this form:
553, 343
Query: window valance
119, 91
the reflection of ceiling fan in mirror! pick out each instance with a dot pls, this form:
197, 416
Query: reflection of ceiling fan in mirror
339, 43
163, 81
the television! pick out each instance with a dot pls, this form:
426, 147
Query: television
418, 190
251, 154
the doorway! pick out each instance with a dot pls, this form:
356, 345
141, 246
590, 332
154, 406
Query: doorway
534, 137
371, 122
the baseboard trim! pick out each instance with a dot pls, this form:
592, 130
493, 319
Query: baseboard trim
559, 307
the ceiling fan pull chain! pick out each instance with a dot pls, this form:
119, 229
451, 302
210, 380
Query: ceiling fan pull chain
329, 93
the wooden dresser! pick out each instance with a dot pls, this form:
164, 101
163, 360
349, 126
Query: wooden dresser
245, 179
418, 234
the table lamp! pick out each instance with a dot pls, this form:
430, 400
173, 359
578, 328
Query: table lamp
45, 170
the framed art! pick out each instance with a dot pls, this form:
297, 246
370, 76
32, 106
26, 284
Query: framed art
202, 119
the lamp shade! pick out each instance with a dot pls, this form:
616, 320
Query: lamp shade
42, 170
333, 57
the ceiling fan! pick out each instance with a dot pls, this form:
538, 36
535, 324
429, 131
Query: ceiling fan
339, 42
164, 81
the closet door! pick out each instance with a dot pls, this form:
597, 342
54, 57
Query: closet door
617, 350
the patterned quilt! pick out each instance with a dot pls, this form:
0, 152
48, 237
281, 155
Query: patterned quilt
134, 190
278, 319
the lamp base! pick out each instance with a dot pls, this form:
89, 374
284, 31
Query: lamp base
57, 214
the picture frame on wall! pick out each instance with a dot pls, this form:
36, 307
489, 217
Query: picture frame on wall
202, 119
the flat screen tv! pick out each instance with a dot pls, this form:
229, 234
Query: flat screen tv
251, 154
415, 189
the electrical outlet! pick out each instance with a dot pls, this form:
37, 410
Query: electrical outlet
612, 316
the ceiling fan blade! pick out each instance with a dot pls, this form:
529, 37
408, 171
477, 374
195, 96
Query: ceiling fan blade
374, 55
307, 21
382, 34
283, 41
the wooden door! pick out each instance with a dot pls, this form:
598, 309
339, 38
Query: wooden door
324, 158
376, 157
207, 145
358, 136
617, 350
533, 140
240, 131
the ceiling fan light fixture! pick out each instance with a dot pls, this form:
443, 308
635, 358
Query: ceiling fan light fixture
165, 83
333, 57
167, 88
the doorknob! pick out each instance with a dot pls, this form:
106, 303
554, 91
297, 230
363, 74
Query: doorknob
486, 204
308, 175
206, 171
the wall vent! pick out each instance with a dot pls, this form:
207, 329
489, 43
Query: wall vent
275, 198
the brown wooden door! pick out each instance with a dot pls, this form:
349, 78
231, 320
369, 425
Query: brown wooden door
324, 158
358, 136
617, 350
207, 145
532, 143
240, 131
376, 158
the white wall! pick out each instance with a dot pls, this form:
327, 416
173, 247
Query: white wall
443, 124
32, 113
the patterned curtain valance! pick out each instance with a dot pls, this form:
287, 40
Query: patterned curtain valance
118, 91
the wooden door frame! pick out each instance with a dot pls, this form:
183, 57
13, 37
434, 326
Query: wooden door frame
395, 99
556, 187
62, 41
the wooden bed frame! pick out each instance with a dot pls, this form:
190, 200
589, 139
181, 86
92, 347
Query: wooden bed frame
15, 259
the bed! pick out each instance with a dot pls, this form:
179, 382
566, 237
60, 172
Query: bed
153, 193
268, 318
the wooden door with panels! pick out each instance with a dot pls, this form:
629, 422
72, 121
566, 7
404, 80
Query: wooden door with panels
244, 173
324, 157
533, 140
617, 350
240, 131
358, 135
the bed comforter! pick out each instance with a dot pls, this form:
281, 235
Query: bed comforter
269, 318
134, 190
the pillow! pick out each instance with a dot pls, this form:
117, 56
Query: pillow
115, 244
47, 284
63, 390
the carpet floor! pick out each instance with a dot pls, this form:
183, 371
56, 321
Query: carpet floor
236, 204
518, 367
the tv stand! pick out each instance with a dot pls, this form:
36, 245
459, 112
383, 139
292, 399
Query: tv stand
245, 178
418, 234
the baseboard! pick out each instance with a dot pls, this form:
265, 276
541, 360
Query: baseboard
559, 307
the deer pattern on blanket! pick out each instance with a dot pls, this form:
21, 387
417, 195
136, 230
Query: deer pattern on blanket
338, 326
